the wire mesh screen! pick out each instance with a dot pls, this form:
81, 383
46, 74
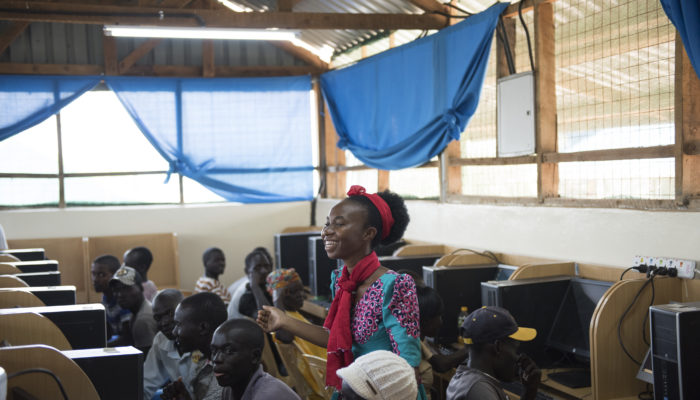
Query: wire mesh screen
615, 89
500, 180
417, 183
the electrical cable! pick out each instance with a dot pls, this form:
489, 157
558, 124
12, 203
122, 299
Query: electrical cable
646, 314
622, 318
506, 45
527, 35
486, 253
625, 271
458, 8
43, 371
647, 394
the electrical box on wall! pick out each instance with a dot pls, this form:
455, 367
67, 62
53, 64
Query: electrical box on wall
516, 115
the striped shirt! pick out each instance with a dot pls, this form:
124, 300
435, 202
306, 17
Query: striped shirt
206, 284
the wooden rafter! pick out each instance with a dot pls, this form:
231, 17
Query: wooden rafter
11, 34
432, 6
126, 15
137, 54
302, 54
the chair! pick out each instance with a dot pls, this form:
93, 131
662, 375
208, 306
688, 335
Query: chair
19, 358
11, 281
19, 298
289, 355
31, 329
317, 365
268, 360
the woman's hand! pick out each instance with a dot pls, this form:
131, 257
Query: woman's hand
271, 318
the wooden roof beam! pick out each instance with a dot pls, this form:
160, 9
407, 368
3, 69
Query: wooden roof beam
125, 15
11, 34
138, 53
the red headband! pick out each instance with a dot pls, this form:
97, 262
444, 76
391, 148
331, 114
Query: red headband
379, 204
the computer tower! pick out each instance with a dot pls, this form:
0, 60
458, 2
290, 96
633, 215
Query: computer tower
675, 350
320, 268
83, 325
25, 254
292, 251
458, 286
36, 266
49, 278
534, 303
50, 295
116, 372
411, 263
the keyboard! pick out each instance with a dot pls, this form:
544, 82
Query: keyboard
518, 389
575, 379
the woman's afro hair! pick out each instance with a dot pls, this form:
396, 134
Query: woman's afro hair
398, 211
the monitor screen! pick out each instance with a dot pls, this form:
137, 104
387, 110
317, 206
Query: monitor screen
571, 326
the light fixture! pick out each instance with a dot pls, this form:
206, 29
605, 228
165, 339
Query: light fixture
198, 33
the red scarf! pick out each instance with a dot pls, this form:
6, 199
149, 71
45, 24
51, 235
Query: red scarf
338, 319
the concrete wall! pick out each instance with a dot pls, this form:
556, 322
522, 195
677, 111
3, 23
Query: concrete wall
600, 236
236, 229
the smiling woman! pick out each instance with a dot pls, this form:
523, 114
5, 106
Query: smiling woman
373, 308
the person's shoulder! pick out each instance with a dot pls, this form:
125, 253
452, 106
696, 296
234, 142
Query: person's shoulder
471, 384
268, 387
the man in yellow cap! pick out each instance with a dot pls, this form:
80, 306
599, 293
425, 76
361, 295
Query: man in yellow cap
493, 356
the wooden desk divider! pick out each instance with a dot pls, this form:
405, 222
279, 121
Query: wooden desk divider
8, 258
29, 328
75, 382
8, 269
300, 229
422, 250
19, 298
71, 254
7, 281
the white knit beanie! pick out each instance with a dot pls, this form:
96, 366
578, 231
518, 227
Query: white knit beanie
381, 375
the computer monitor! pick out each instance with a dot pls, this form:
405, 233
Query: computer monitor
320, 268
83, 325
36, 266
533, 303
504, 272
49, 278
292, 251
411, 263
570, 330
116, 372
458, 286
389, 249
25, 254
50, 295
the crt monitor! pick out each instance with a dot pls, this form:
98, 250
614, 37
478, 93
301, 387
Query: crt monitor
570, 330
504, 272
292, 251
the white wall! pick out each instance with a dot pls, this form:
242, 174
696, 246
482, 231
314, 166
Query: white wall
600, 236
236, 229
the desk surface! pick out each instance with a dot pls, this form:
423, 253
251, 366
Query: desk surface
314, 309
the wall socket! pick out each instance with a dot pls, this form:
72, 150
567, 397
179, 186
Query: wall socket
685, 268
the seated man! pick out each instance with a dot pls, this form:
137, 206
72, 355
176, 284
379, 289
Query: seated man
378, 375
258, 266
141, 327
493, 356
214, 265
140, 259
102, 270
195, 319
236, 349
165, 362
233, 288
288, 295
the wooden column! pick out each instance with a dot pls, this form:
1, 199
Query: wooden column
687, 115
383, 180
109, 46
453, 150
545, 101
334, 157
208, 68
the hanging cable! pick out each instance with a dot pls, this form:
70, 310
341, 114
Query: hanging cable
622, 318
503, 35
646, 314
42, 371
527, 35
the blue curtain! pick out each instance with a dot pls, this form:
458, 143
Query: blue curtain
685, 15
402, 107
26, 101
247, 140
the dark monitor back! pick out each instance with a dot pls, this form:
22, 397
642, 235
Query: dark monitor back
458, 287
26, 254
320, 268
533, 303
292, 251
389, 249
570, 330
51, 295
504, 272
411, 263
116, 373
49, 278
36, 266
83, 325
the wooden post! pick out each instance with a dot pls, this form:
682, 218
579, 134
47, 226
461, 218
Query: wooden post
545, 101
687, 116
208, 68
335, 157
452, 151
383, 176
109, 46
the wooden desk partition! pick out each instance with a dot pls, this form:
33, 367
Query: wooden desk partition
422, 250
77, 385
7, 281
300, 229
8, 269
19, 298
8, 258
71, 254
29, 329
165, 270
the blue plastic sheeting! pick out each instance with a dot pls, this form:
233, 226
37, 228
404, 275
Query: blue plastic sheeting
26, 101
246, 139
402, 107
685, 15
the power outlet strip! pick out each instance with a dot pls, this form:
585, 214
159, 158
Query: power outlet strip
685, 268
